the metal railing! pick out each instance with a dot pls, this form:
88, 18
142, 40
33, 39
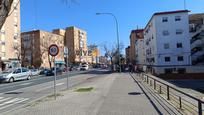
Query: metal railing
183, 101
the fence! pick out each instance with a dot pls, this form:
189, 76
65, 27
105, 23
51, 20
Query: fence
181, 100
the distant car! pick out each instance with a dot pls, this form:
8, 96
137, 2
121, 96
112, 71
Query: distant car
84, 67
35, 72
17, 74
43, 71
51, 72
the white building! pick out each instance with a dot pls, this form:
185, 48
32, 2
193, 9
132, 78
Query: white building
167, 42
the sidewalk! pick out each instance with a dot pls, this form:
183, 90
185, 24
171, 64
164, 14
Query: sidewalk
115, 94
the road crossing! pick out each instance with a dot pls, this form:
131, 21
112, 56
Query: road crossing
8, 102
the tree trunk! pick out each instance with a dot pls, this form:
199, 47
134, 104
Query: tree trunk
4, 11
111, 63
50, 63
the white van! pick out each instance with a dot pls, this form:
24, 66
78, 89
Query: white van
17, 74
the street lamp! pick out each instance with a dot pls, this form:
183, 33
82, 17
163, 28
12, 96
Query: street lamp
116, 21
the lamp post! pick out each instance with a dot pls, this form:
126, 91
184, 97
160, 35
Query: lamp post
116, 21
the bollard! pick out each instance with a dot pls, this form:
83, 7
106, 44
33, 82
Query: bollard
180, 103
147, 80
199, 108
168, 93
150, 83
160, 91
154, 84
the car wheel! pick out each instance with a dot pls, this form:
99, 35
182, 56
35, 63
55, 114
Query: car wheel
28, 78
11, 80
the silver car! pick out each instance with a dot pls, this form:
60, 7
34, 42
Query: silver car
17, 74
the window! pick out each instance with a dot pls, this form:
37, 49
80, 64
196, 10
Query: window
17, 71
178, 18
3, 43
166, 46
179, 45
4, 54
165, 33
179, 31
180, 58
167, 59
168, 71
165, 19
3, 32
24, 70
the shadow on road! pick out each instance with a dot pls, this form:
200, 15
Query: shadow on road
135, 93
97, 72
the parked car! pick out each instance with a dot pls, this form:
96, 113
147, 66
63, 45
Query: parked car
35, 72
84, 67
16, 74
43, 71
50, 72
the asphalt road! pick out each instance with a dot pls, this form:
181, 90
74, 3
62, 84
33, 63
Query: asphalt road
17, 94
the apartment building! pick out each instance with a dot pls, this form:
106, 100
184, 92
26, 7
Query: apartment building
93, 54
10, 38
139, 49
35, 45
127, 54
197, 38
132, 46
167, 44
76, 41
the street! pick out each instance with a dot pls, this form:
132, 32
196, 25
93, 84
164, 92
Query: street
111, 94
17, 94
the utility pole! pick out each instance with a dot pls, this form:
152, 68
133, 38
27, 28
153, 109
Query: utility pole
118, 39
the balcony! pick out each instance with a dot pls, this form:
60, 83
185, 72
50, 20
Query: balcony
198, 36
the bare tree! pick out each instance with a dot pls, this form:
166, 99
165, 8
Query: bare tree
45, 48
5, 8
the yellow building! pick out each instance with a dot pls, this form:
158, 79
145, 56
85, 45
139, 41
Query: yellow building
35, 45
10, 38
76, 41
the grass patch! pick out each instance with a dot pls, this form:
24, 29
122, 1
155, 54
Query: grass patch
84, 89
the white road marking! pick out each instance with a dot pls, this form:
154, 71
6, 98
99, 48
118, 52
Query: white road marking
4, 99
59, 84
10, 101
26, 83
19, 100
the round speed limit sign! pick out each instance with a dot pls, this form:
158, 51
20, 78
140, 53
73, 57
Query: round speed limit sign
53, 50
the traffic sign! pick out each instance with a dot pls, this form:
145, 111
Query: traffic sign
53, 50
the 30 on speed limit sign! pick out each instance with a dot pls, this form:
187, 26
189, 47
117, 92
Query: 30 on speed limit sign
53, 50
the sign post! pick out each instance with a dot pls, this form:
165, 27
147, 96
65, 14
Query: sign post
67, 58
53, 51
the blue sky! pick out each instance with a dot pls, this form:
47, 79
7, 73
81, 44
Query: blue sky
52, 14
